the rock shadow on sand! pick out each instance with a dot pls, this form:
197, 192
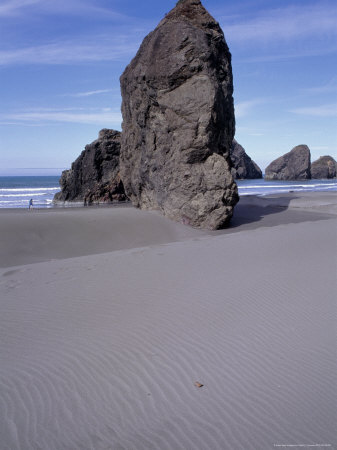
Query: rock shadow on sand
252, 212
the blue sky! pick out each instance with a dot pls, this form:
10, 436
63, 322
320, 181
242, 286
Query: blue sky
60, 63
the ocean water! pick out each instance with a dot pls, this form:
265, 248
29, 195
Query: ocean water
15, 192
263, 187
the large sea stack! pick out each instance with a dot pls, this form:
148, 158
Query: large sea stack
178, 120
243, 166
94, 176
294, 165
324, 167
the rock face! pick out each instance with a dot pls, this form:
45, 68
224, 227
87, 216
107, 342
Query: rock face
324, 167
294, 165
243, 166
178, 120
94, 176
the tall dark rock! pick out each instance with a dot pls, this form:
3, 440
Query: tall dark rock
294, 165
243, 166
94, 176
178, 120
324, 167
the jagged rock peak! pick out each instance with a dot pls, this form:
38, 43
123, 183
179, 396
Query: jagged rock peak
192, 11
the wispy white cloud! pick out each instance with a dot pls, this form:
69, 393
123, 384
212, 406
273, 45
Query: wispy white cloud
89, 93
52, 110
284, 24
90, 8
245, 108
63, 7
25, 124
329, 110
330, 87
35, 117
13, 7
289, 55
100, 48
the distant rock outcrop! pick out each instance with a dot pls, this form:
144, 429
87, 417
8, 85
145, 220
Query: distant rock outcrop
243, 166
294, 165
324, 167
94, 176
178, 120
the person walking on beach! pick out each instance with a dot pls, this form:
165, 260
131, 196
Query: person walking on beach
30, 204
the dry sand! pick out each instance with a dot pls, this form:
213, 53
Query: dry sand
110, 315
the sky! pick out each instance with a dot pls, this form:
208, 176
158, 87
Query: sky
60, 63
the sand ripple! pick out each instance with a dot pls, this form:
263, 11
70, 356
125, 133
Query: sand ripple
102, 352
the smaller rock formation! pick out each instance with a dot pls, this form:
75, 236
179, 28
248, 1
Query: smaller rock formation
324, 167
294, 165
94, 176
243, 166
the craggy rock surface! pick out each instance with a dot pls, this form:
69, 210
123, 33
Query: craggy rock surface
324, 167
94, 176
243, 166
294, 165
178, 120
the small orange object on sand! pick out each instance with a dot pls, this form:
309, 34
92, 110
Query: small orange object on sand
197, 384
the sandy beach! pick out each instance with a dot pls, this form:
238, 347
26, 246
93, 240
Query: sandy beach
120, 329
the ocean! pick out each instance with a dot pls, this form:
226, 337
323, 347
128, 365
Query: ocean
263, 187
15, 192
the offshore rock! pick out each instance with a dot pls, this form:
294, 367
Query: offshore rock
178, 120
94, 176
243, 166
294, 165
324, 167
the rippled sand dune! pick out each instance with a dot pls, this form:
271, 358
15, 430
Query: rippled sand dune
106, 350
